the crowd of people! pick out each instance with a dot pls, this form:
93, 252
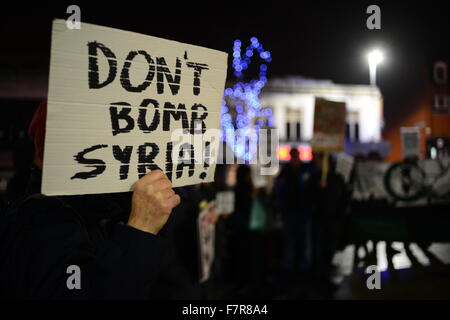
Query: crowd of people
144, 244
282, 242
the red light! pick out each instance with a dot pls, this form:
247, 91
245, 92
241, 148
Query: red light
305, 153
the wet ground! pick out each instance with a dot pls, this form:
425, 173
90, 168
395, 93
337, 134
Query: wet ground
407, 271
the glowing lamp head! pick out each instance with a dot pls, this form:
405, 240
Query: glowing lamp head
375, 57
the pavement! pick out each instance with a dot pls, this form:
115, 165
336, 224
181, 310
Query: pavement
407, 271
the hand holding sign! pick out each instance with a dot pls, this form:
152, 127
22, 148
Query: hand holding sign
152, 203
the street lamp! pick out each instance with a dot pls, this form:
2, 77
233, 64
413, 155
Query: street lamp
374, 57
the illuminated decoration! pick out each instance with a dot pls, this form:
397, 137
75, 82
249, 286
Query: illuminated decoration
304, 151
242, 115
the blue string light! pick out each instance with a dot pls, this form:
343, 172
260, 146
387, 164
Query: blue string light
245, 96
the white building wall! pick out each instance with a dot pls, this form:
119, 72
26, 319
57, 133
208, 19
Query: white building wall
366, 101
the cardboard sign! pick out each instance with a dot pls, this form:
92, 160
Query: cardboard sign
410, 141
206, 237
344, 165
225, 202
121, 104
329, 125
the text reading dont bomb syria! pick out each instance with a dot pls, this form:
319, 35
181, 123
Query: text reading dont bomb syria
152, 116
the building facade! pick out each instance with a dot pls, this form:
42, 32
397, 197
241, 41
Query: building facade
292, 102
428, 114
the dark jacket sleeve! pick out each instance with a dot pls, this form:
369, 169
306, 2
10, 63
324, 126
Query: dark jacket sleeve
123, 265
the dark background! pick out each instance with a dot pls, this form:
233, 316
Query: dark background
318, 39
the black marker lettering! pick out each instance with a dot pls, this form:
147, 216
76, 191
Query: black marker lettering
146, 161
196, 119
98, 164
180, 113
162, 70
189, 162
124, 157
198, 67
207, 161
125, 75
169, 161
142, 123
93, 77
122, 115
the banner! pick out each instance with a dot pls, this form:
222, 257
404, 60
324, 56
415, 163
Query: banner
403, 183
121, 104
369, 181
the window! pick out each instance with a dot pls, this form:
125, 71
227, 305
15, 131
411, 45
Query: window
293, 125
288, 131
440, 72
298, 134
440, 104
352, 126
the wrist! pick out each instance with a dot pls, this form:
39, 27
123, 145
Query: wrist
142, 225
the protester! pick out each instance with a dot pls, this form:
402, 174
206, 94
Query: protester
238, 224
182, 279
330, 204
258, 241
293, 196
23, 159
117, 248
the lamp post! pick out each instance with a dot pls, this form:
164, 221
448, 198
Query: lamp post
374, 57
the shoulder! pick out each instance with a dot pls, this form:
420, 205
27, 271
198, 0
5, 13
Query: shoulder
38, 211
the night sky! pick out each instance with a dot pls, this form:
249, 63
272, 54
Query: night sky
318, 39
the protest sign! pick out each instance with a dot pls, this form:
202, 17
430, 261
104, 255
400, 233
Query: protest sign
410, 141
344, 165
121, 104
206, 237
329, 126
225, 202
329, 130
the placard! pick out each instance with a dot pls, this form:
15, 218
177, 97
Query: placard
329, 126
225, 202
206, 237
121, 104
410, 141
